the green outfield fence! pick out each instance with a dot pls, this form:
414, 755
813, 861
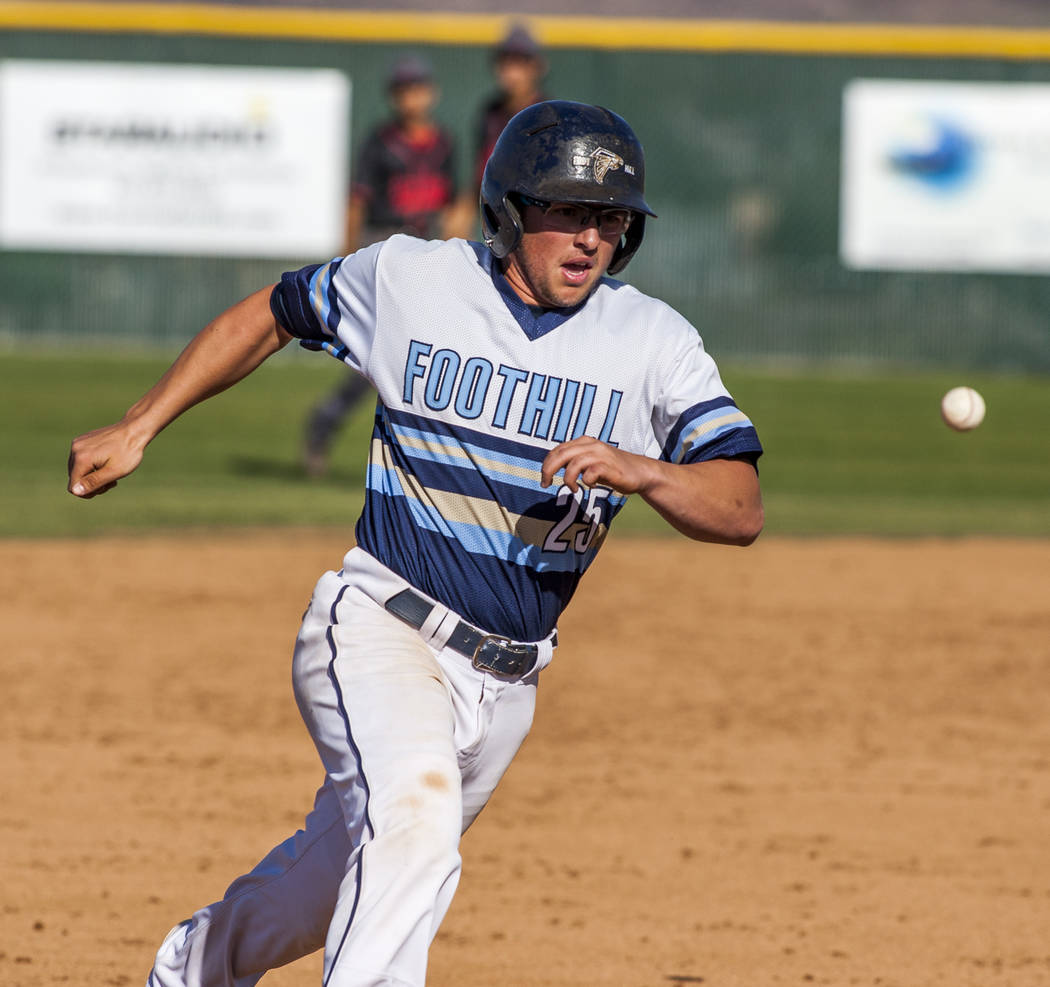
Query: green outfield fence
741, 122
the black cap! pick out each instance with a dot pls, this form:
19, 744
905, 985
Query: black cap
518, 41
409, 69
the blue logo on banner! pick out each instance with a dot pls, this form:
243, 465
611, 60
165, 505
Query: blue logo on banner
944, 161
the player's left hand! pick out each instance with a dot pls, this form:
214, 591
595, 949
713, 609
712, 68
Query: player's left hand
594, 463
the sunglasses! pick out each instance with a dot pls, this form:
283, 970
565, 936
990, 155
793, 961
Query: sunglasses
567, 217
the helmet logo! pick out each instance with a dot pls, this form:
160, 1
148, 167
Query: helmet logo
602, 161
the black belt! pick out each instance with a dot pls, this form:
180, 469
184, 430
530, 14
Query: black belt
489, 652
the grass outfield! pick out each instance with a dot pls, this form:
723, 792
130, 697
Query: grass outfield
859, 454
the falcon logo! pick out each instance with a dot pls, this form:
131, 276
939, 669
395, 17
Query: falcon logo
603, 162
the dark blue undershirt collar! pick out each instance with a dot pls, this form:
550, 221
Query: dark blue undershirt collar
534, 321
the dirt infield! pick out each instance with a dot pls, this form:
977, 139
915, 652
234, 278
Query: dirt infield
810, 762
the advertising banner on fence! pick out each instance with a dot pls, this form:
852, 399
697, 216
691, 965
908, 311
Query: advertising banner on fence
172, 159
951, 176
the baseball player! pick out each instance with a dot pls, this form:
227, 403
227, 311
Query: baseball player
524, 394
406, 171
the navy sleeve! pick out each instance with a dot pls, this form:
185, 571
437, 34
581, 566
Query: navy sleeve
290, 305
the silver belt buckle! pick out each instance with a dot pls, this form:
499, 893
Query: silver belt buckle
490, 642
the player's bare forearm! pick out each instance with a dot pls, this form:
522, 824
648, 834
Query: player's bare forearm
718, 500
225, 351
714, 501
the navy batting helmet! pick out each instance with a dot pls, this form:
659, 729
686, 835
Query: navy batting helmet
560, 151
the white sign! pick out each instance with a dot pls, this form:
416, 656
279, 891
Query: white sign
951, 176
172, 159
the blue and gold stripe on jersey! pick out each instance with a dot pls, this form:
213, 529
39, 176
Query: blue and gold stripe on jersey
462, 515
715, 429
483, 490
324, 299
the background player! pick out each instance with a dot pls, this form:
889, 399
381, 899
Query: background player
406, 172
523, 396
405, 182
519, 66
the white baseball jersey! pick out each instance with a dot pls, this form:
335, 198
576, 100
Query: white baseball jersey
475, 387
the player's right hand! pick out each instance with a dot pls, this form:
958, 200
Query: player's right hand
98, 459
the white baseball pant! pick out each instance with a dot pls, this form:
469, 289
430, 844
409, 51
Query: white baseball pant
413, 740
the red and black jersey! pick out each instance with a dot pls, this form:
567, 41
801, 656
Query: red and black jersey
405, 183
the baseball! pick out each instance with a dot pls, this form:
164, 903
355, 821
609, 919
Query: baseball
962, 408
